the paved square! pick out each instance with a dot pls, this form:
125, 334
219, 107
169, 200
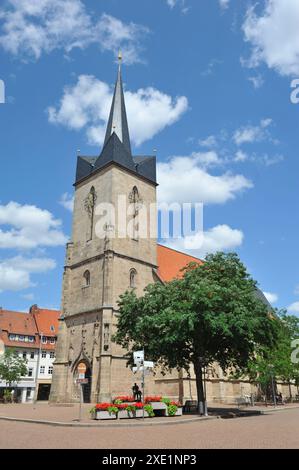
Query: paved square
278, 429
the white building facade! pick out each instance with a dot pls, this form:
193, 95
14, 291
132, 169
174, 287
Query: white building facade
20, 332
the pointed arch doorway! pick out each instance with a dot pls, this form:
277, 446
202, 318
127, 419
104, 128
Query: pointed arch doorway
86, 388
82, 369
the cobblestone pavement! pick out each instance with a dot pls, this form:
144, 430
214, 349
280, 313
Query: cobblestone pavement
70, 413
275, 430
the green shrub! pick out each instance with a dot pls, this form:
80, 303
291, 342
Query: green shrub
149, 410
172, 409
112, 410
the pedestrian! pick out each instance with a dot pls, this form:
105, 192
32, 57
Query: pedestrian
136, 392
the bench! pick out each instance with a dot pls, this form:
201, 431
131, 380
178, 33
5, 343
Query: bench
243, 401
190, 405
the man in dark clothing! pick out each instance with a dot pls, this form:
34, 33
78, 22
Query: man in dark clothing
136, 392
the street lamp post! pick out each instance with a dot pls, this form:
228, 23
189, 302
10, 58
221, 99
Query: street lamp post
272, 383
143, 386
37, 368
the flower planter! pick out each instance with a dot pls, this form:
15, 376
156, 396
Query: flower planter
124, 414
158, 405
105, 415
139, 414
179, 412
159, 408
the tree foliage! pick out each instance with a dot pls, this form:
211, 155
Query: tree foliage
276, 361
12, 367
210, 315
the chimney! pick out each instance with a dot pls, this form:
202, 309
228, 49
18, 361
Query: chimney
34, 309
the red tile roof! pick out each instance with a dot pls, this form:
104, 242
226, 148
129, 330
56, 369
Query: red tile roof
171, 262
34, 323
18, 323
46, 320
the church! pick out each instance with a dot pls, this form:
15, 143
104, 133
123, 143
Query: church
98, 269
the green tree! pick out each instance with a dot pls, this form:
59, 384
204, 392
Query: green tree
276, 361
210, 315
12, 367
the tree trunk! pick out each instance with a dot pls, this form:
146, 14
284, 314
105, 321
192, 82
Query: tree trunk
199, 385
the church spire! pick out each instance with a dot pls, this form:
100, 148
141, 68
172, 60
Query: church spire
118, 117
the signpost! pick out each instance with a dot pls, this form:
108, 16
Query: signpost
81, 380
144, 367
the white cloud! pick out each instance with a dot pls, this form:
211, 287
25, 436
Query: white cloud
15, 272
269, 160
67, 201
30, 227
207, 159
257, 81
224, 4
219, 238
250, 134
181, 3
240, 156
184, 179
86, 105
31, 28
274, 36
209, 142
229, 146
113, 35
294, 308
271, 297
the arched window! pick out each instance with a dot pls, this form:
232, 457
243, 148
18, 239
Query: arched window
133, 276
86, 277
89, 203
135, 201
135, 195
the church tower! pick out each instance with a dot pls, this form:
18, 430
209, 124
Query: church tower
106, 256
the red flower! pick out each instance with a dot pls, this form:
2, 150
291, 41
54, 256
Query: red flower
150, 399
121, 406
103, 406
125, 398
138, 405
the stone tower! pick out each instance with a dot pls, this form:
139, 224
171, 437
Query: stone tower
103, 260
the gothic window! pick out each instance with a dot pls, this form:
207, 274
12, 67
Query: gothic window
86, 277
133, 276
106, 336
135, 200
89, 204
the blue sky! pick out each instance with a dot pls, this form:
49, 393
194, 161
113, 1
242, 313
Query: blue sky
208, 85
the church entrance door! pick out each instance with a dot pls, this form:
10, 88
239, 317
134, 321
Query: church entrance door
87, 387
